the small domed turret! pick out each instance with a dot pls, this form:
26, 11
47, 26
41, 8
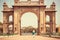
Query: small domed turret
53, 5
5, 6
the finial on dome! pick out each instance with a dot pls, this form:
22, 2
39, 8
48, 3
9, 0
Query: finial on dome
53, 6
4, 3
53, 3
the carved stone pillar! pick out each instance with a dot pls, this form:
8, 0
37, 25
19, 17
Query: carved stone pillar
51, 23
16, 20
54, 23
5, 23
51, 27
15, 24
44, 22
38, 32
42, 19
19, 24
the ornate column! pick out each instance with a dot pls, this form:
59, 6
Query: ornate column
38, 32
51, 27
5, 18
19, 24
44, 22
5, 23
16, 20
15, 23
42, 19
54, 23
51, 23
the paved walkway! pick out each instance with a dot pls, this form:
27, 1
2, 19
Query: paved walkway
17, 37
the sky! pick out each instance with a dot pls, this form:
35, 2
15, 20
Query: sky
29, 19
47, 2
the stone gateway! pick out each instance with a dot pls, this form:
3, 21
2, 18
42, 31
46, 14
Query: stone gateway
21, 7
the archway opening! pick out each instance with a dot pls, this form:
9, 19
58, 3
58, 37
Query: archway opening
29, 22
10, 18
47, 28
10, 29
47, 18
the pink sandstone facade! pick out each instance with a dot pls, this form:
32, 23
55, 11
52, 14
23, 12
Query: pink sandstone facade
20, 7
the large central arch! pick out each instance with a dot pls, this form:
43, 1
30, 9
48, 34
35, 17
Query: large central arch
18, 14
37, 10
33, 12
29, 20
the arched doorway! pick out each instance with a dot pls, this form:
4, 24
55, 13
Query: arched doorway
47, 18
10, 29
29, 22
10, 18
48, 24
47, 28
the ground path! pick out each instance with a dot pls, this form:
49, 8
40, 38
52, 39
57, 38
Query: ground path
17, 37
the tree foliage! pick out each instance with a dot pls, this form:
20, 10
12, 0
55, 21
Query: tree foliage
28, 29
